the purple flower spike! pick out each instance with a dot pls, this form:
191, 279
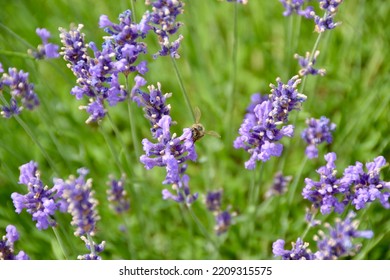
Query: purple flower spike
325, 194
296, 6
47, 50
299, 250
97, 249
318, 131
162, 20
7, 245
339, 241
117, 196
80, 202
279, 185
307, 64
367, 186
40, 201
21, 93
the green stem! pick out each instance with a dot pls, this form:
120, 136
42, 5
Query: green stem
35, 140
17, 54
111, 147
91, 244
59, 240
134, 18
186, 98
231, 97
296, 181
118, 136
132, 252
26, 43
136, 145
202, 228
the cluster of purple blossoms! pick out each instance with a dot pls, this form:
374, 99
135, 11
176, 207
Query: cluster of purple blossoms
162, 20
80, 201
279, 185
41, 201
299, 250
98, 75
169, 151
307, 64
326, 22
260, 131
95, 251
46, 50
323, 23
117, 196
355, 186
317, 132
336, 244
20, 90
297, 6
223, 219
7, 245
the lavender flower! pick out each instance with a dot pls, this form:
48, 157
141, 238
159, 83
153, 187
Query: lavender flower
117, 196
356, 186
40, 201
98, 75
162, 20
153, 103
366, 187
95, 249
339, 241
279, 185
21, 93
81, 202
7, 245
318, 131
296, 6
299, 250
46, 50
1, 68
327, 21
325, 193
213, 200
259, 135
285, 98
223, 219
307, 64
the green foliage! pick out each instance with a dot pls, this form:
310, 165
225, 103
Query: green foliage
353, 94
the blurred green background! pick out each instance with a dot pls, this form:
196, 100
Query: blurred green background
354, 94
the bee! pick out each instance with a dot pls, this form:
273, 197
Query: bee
198, 130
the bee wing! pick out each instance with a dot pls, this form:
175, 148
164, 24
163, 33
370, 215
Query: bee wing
197, 114
213, 133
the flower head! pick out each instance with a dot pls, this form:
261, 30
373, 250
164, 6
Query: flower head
117, 196
299, 250
162, 20
21, 93
46, 50
297, 6
81, 203
307, 64
339, 241
318, 131
367, 186
239, 1
279, 185
41, 201
328, 193
95, 249
7, 245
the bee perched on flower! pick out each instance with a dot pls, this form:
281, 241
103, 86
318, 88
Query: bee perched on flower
198, 130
